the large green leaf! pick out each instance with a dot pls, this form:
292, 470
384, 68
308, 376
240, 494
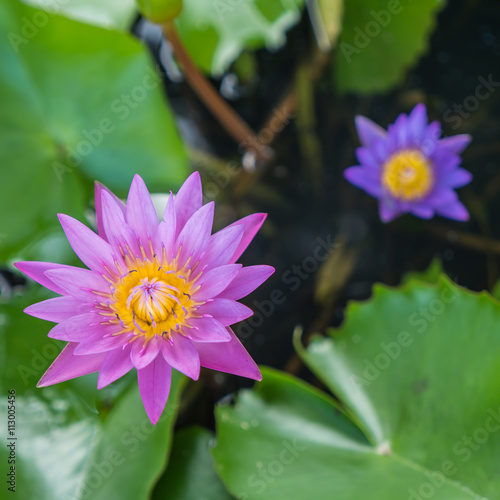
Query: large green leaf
380, 40
216, 32
118, 14
65, 449
77, 103
416, 371
190, 474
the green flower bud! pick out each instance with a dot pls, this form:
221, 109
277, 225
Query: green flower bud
160, 11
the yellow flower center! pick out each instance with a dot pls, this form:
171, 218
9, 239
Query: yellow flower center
151, 299
408, 175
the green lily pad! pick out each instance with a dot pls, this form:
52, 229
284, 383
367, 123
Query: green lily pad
113, 14
380, 40
190, 474
216, 32
78, 104
416, 372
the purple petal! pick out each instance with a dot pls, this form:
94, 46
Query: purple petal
188, 200
116, 364
251, 225
195, 235
80, 283
141, 212
456, 211
365, 179
154, 386
77, 328
368, 131
225, 311
441, 195
206, 330
388, 210
368, 159
455, 144
417, 121
422, 211
141, 355
457, 177
99, 189
247, 280
166, 233
122, 238
215, 281
57, 309
222, 247
36, 271
93, 251
228, 357
181, 355
67, 366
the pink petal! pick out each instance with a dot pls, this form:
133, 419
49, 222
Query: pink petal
247, 280
80, 283
141, 212
166, 233
102, 341
67, 366
368, 131
36, 271
251, 225
188, 200
228, 357
225, 311
58, 309
141, 355
93, 251
206, 330
77, 328
181, 355
215, 281
222, 247
154, 386
99, 189
116, 364
122, 238
195, 235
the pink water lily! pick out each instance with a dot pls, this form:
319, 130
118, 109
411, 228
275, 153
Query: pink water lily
157, 295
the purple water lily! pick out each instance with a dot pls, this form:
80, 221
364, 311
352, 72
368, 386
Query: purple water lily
156, 296
409, 168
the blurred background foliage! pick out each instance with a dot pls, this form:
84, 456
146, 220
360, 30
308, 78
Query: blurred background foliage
91, 91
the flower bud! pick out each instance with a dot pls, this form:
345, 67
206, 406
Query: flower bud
160, 11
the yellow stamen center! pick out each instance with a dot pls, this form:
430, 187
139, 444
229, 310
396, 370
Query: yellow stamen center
407, 175
152, 299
